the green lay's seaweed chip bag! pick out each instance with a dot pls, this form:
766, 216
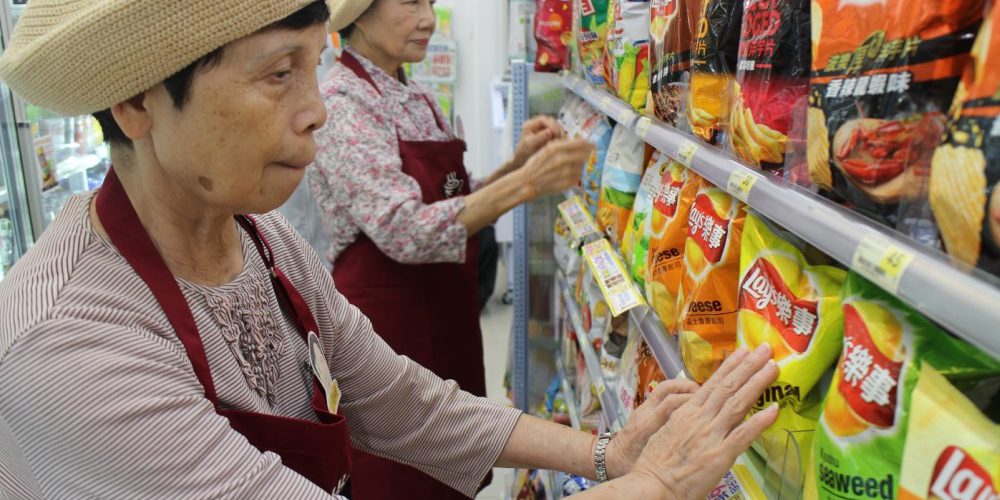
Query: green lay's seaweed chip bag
592, 38
795, 307
965, 169
620, 181
859, 445
635, 242
626, 63
883, 76
672, 25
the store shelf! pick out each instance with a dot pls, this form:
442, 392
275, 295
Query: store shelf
605, 391
960, 298
611, 106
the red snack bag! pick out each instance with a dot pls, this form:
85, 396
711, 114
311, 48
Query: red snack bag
554, 32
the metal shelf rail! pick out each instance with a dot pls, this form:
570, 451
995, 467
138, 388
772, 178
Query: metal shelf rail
962, 299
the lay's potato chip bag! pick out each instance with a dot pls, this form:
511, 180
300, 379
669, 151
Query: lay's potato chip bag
952, 450
620, 181
650, 373
592, 38
858, 447
635, 242
795, 307
668, 230
626, 63
708, 300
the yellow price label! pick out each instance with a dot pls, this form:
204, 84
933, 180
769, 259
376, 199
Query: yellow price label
881, 262
619, 291
741, 181
686, 152
642, 127
578, 218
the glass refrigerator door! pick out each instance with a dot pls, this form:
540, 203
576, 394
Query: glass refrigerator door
15, 225
62, 156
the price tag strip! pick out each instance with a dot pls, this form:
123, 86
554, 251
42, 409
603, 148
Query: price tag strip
642, 127
581, 224
741, 181
625, 114
686, 152
618, 290
881, 262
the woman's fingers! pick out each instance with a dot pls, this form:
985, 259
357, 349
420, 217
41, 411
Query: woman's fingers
737, 376
738, 405
743, 435
670, 404
675, 386
731, 362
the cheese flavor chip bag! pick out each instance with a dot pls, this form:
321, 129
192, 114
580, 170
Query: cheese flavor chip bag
708, 301
626, 64
859, 445
554, 33
672, 25
883, 77
952, 450
668, 230
592, 38
795, 307
965, 169
635, 242
620, 179
772, 78
714, 66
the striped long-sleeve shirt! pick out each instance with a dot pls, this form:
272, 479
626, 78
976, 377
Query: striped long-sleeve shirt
101, 397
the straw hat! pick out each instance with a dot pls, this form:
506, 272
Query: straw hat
343, 13
81, 56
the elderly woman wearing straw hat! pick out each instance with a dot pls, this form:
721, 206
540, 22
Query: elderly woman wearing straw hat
160, 342
403, 215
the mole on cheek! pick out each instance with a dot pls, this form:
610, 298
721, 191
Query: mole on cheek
206, 183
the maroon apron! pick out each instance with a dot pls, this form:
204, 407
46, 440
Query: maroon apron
319, 451
428, 312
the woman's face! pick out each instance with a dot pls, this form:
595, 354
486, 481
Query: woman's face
400, 29
243, 139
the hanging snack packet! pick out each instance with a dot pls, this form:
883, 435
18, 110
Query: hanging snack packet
613, 347
650, 374
883, 75
795, 307
708, 300
965, 169
772, 77
635, 242
593, 171
858, 448
596, 313
672, 27
592, 38
620, 181
668, 231
714, 66
952, 450
554, 32
627, 55
628, 381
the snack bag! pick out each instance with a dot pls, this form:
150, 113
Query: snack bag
626, 64
613, 347
593, 38
620, 181
650, 374
708, 301
952, 450
635, 242
858, 447
772, 78
965, 169
593, 171
672, 27
596, 313
883, 75
714, 66
795, 307
554, 32
668, 230
628, 381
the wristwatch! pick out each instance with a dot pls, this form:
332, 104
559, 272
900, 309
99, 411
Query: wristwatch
600, 463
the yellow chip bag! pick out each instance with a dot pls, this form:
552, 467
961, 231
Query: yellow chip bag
708, 299
667, 232
952, 450
796, 308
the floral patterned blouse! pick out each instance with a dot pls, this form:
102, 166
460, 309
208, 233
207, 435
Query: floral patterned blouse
358, 180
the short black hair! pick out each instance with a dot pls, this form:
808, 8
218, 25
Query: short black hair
179, 84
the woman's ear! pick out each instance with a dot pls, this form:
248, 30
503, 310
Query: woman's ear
133, 117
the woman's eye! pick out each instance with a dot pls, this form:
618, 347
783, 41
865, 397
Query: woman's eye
281, 75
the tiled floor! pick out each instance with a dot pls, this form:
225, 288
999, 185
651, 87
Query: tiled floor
495, 323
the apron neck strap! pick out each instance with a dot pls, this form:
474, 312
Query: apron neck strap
352, 63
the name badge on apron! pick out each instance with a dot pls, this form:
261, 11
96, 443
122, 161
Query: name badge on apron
321, 370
